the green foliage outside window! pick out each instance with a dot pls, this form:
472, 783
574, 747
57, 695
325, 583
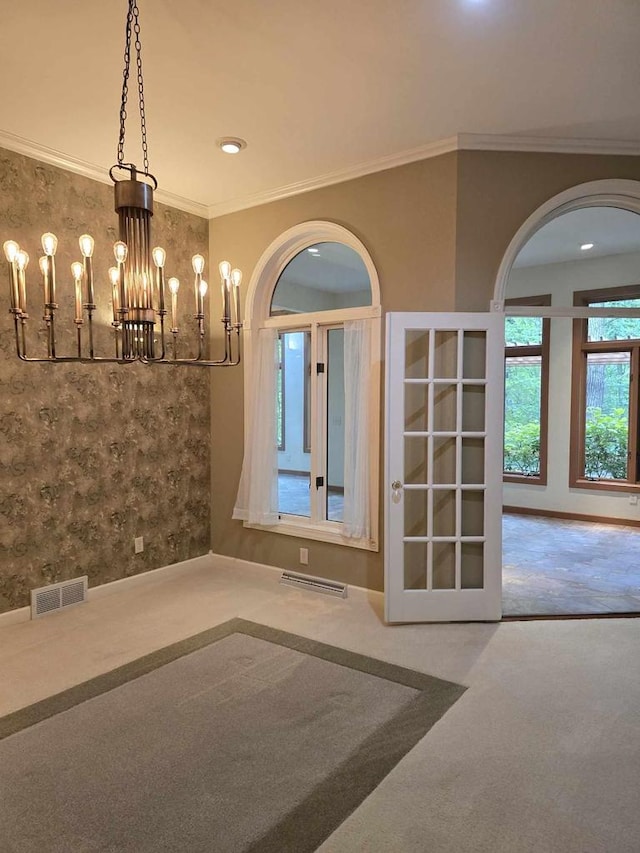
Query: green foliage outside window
522, 449
605, 446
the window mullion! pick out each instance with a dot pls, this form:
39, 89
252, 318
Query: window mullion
634, 395
318, 420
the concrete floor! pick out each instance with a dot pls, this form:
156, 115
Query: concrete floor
552, 566
540, 755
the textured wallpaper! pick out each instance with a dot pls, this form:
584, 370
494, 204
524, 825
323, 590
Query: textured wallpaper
93, 456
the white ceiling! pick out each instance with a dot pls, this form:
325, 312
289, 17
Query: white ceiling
611, 230
319, 90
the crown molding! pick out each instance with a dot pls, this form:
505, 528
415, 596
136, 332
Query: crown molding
461, 142
89, 170
390, 161
547, 144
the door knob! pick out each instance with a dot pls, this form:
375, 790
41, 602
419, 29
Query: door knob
396, 485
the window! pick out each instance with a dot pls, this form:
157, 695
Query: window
316, 302
322, 277
526, 395
605, 441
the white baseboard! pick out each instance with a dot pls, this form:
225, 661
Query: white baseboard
224, 561
151, 576
210, 560
23, 614
10, 617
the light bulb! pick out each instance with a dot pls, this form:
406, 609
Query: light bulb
236, 277
44, 265
22, 259
203, 288
159, 256
114, 275
225, 269
231, 144
120, 251
49, 243
11, 250
198, 264
174, 284
76, 270
86, 245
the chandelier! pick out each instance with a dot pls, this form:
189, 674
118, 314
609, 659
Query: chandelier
138, 288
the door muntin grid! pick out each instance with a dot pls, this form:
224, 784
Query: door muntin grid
444, 410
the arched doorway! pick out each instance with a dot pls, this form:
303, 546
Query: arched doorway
569, 285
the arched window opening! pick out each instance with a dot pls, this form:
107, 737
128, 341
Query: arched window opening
312, 413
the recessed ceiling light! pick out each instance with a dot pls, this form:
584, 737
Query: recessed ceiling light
231, 144
313, 250
586, 246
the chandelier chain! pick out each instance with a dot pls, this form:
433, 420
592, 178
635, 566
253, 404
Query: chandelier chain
133, 26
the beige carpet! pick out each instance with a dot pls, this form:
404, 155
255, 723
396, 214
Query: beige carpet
241, 739
540, 755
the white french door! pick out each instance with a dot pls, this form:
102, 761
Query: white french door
443, 467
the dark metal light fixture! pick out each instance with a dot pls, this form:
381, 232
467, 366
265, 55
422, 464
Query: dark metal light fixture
138, 286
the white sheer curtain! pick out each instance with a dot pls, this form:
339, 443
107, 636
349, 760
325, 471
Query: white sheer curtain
257, 500
357, 392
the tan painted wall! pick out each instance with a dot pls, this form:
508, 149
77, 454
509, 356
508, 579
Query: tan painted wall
428, 226
497, 192
406, 219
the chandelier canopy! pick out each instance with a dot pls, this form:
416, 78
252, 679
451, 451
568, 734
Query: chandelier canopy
138, 287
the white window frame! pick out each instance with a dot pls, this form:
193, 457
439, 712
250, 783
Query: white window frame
258, 305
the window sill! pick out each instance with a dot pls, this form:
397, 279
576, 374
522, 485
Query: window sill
523, 478
320, 532
605, 485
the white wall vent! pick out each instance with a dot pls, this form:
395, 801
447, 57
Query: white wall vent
314, 584
57, 596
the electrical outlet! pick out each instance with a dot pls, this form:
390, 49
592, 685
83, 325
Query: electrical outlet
138, 544
633, 500
304, 556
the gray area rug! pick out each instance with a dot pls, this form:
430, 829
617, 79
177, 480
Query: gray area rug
242, 738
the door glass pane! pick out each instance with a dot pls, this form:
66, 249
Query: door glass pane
444, 512
446, 355
415, 512
415, 565
335, 425
607, 416
293, 402
522, 406
444, 565
415, 459
472, 565
473, 400
444, 408
614, 328
474, 355
444, 461
416, 354
472, 513
415, 407
473, 460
